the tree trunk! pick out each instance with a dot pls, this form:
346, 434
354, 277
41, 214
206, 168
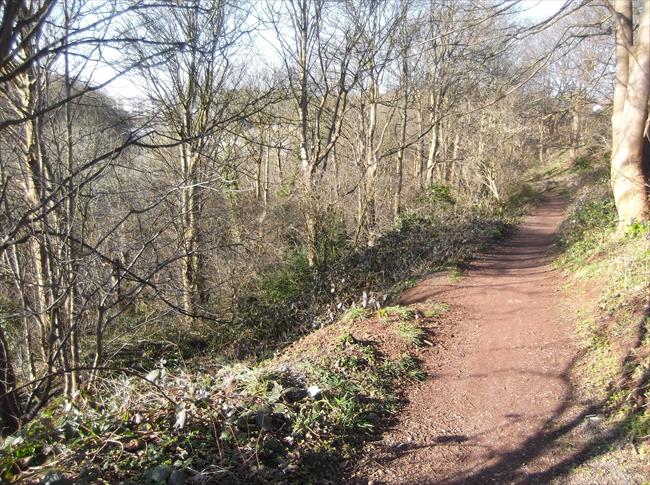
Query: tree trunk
455, 155
624, 39
9, 407
189, 217
397, 202
259, 169
542, 143
435, 141
310, 210
576, 132
372, 166
419, 156
628, 181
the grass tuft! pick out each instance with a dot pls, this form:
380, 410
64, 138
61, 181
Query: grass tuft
435, 310
355, 314
411, 333
402, 313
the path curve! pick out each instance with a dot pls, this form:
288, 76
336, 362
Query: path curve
498, 390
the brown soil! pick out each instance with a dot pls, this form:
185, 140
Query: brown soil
498, 403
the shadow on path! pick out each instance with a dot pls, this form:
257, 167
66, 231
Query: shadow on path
500, 407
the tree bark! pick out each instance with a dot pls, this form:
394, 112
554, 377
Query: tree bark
435, 141
624, 39
190, 218
576, 131
9, 407
397, 202
628, 179
418, 161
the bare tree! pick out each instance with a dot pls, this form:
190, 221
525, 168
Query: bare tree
373, 105
194, 90
317, 51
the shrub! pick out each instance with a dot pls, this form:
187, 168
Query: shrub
437, 194
289, 280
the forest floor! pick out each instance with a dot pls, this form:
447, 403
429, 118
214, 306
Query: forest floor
499, 404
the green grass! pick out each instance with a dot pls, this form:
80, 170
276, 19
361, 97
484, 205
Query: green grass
582, 164
411, 333
289, 279
400, 312
613, 364
454, 273
356, 313
405, 367
435, 310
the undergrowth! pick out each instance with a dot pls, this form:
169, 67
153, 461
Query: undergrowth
293, 299
294, 420
614, 335
268, 421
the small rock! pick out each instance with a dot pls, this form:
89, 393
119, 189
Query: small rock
158, 474
314, 391
294, 394
178, 477
37, 460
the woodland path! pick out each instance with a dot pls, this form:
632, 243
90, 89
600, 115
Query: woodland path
498, 400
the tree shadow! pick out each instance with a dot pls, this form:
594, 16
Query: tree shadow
578, 426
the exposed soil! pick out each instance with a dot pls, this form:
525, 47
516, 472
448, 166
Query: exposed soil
498, 405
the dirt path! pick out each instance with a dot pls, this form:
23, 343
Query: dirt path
498, 398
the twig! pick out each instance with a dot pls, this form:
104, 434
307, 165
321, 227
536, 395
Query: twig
91, 368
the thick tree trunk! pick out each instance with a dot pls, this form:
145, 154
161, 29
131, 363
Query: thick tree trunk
371, 203
624, 39
265, 185
337, 176
542, 144
372, 166
267, 164
628, 179
455, 159
259, 172
35, 187
307, 164
69, 246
